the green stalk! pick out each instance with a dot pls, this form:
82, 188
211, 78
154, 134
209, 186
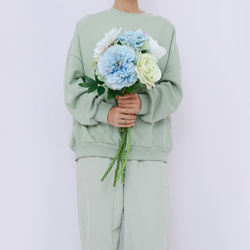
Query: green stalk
118, 165
120, 159
128, 149
125, 142
115, 158
120, 153
124, 148
126, 159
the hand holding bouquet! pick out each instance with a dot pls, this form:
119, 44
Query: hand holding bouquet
124, 63
124, 114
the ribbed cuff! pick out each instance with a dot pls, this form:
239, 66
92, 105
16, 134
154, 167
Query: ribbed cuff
145, 104
102, 111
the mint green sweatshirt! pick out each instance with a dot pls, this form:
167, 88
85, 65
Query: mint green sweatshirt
91, 135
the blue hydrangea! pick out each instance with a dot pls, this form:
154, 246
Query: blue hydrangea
134, 39
117, 65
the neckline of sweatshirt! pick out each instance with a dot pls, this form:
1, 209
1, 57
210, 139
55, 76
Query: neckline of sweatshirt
125, 13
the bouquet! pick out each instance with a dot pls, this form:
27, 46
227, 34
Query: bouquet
124, 63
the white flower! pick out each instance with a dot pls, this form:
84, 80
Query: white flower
157, 50
147, 69
103, 44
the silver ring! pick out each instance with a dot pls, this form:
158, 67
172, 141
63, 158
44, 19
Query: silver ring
123, 121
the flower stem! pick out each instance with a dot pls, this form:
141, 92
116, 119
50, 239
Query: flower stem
126, 159
115, 158
117, 167
120, 154
120, 157
124, 146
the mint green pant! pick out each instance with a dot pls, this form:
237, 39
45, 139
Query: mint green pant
141, 201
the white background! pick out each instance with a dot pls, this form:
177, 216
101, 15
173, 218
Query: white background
210, 161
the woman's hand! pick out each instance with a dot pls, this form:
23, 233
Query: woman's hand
130, 101
124, 114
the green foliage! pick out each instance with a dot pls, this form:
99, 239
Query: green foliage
85, 84
100, 90
93, 84
96, 84
130, 89
90, 80
92, 88
113, 93
98, 81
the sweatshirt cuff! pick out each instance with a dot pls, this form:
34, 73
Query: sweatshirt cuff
145, 104
102, 111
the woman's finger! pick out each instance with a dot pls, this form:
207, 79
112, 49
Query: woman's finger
127, 96
126, 110
126, 105
129, 100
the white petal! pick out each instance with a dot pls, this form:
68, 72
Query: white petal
157, 50
105, 42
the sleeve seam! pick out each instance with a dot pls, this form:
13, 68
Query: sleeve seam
169, 50
78, 40
80, 58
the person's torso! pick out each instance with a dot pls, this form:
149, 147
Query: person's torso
91, 29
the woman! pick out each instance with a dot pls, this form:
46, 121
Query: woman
95, 137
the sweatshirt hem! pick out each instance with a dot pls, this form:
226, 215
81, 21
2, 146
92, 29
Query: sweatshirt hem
108, 150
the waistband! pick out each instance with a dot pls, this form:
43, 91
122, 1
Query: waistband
108, 150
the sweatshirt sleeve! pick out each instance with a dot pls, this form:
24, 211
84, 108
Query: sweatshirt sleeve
164, 99
86, 108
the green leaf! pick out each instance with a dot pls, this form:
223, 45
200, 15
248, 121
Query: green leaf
85, 84
90, 80
82, 84
111, 94
92, 88
97, 80
131, 88
100, 90
120, 92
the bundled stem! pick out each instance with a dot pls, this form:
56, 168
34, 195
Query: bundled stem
117, 168
122, 172
115, 158
121, 155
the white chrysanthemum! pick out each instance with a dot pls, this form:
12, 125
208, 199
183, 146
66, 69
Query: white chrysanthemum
103, 44
157, 50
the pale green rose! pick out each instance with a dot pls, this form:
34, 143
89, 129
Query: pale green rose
147, 69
